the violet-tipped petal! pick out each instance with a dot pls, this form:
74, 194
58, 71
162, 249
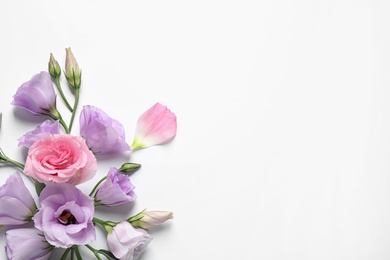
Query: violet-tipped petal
115, 190
103, 134
37, 95
150, 219
155, 126
72, 70
127, 242
27, 244
45, 129
17, 206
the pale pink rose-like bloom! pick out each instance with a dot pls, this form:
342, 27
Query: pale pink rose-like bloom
60, 158
155, 126
127, 242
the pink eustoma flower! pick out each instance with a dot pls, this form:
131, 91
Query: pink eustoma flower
17, 206
37, 95
27, 244
103, 134
115, 190
60, 158
65, 216
155, 126
127, 242
45, 129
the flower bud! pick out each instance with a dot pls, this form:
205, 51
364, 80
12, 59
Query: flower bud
129, 168
149, 219
54, 67
72, 70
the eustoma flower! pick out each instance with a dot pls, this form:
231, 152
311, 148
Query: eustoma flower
150, 219
27, 244
155, 126
127, 242
72, 70
65, 216
102, 133
115, 190
60, 158
45, 129
37, 95
17, 206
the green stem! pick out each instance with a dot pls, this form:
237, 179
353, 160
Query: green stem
78, 255
9, 160
65, 254
55, 114
76, 102
97, 185
58, 84
94, 251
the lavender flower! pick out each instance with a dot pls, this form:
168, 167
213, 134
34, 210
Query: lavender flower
43, 130
27, 244
127, 242
116, 189
65, 216
17, 206
103, 134
37, 95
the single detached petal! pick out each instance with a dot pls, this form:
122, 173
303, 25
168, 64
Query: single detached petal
45, 129
36, 95
155, 126
17, 206
27, 244
103, 134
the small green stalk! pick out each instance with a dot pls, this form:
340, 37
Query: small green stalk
58, 84
6, 159
97, 185
65, 254
94, 251
76, 102
55, 114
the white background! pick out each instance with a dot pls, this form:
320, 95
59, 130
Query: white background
283, 148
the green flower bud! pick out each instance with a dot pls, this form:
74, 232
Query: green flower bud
129, 168
72, 70
54, 67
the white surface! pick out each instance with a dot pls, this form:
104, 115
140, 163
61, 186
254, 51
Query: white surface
283, 148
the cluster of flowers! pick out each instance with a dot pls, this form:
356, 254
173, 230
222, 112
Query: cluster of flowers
56, 162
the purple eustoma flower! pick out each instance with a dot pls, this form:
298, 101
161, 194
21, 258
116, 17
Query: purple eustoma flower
45, 129
103, 134
116, 189
17, 206
65, 216
127, 242
27, 244
37, 95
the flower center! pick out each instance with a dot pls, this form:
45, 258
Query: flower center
66, 218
